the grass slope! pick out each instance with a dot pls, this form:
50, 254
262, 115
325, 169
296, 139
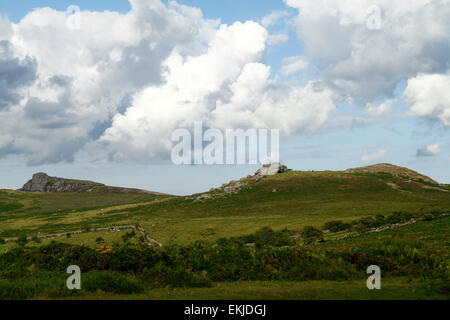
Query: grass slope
23, 213
289, 200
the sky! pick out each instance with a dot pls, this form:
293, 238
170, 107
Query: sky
97, 93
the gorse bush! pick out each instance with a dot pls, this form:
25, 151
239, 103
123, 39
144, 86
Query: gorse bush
263, 237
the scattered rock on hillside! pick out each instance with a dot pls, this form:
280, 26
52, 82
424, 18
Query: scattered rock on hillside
203, 197
234, 187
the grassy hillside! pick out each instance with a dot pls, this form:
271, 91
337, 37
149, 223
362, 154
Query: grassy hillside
23, 213
217, 245
289, 200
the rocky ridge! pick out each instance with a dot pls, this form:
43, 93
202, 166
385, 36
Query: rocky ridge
41, 182
235, 187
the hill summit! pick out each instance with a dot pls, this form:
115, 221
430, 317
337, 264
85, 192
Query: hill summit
394, 170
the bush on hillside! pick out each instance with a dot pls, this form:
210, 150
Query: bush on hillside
22, 241
336, 226
310, 233
263, 237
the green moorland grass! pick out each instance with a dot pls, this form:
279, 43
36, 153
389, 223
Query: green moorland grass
289, 200
27, 214
17, 203
392, 289
414, 259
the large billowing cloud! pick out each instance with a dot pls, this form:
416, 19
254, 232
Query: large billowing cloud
365, 48
225, 87
126, 81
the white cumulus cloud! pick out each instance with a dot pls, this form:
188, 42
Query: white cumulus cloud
428, 96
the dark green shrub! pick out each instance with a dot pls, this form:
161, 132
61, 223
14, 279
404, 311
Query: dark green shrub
22, 241
263, 237
367, 222
379, 221
398, 217
128, 236
336, 226
311, 233
360, 228
222, 242
36, 240
99, 240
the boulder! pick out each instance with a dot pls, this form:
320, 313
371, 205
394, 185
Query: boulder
271, 169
